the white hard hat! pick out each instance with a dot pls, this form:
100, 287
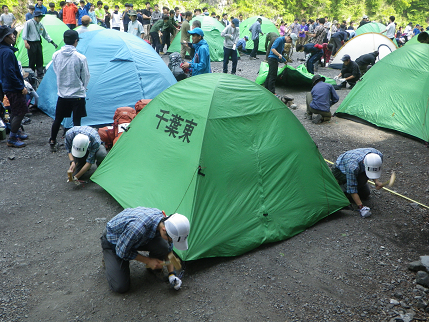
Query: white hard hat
372, 162
177, 227
80, 145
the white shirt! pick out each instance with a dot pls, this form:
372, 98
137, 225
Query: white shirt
408, 31
116, 19
72, 72
390, 30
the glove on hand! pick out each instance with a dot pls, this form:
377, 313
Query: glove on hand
336, 77
365, 212
54, 44
175, 281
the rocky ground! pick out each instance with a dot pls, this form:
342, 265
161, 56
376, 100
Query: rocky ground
345, 268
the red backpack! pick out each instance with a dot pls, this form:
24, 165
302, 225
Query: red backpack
141, 104
122, 118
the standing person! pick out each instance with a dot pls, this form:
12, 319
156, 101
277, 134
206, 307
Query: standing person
135, 27
255, 29
274, 58
7, 18
72, 73
40, 7
12, 85
320, 100
174, 29
185, 36
107, 16
29, 14
177, 16
364, 21
282, 29
156, 31
31, 34
231, 34
200, 63
142, 229
224, 20
84, 148
351, 27
408, 32
83, 10
69, 14
416, 30
156, 15
349, 71
240, 18
365, 61
311, 26
61, 12
100, 13
116, 19
302, 35
126, 17
352, 171
52, 10
319, 33
91, 14
146, 21
295, 27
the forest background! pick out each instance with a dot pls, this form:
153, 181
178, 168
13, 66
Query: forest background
405, 11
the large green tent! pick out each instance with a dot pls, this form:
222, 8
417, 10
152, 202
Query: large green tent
392, 93
413, 40
267, 26
212, 29
290, 77
233, 159
55, 28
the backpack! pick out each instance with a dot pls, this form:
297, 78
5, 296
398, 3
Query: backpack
141, 104
107, 135
174, 65
122, 118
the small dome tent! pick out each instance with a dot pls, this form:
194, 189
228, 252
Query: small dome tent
55, 29
370, 27
364, 44
267, 26
391, 94
123, 68
241, 172
212, 29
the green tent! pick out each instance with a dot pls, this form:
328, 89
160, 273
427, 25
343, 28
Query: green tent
267, 26
212, 29
413, 40
91, 27
55, 28
392, 93
233, 159
372, 27
290, 77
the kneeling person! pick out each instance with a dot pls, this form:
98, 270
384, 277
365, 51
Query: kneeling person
84, 148
320, 100
142, 229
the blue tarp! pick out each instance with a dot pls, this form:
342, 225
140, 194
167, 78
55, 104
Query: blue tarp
123, 68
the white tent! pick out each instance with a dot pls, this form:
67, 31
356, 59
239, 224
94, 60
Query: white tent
364, 44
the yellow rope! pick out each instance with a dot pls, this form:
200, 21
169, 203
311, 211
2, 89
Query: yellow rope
391, 191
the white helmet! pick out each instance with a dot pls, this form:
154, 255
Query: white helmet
177, 227
80, 145
372, 162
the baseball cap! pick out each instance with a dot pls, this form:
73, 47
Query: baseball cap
245, 37
197, 31
236, 22
346, 57
132, 13
80, 142
71, 35
365, 17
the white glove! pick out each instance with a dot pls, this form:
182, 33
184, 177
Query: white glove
336, 77
365, 212
75, 181
341, 80
175, 281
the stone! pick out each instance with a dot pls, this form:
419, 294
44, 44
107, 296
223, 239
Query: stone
394, 302
416, 266
425, 261
422, 278
11, 157
414, 205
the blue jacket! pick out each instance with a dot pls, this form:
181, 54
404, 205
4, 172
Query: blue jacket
255, 29
279, 45
342, 35
41, 8
324, 96
10, 73
200, 64
82, 12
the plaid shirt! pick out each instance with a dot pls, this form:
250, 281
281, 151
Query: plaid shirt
94, 140
320, 34
351, 164
131, 229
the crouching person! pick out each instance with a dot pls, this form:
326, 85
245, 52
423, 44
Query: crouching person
142, 229
84, 148
320, 100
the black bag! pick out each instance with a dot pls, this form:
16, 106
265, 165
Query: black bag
174, 65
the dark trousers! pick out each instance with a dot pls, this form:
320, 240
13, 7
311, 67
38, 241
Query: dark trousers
255, 47
314, 59
71, 26
336, 42
352, 81
117, 28
165, 39
17, 109
229, 52
362, 179
118, 270
65, 108
35, 57
155, 41
100, 155
268, 49
270, 82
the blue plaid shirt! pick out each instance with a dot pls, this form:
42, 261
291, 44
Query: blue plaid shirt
351, 164
94, 140
131, 229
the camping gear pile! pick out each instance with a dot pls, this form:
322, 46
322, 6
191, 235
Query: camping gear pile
175, 66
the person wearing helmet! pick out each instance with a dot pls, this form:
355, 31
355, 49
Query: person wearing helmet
352, 171
320, 100
142, 229
84, 148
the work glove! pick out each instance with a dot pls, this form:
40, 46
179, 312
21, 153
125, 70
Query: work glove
175, 281
365, 212
54, 44
342, 80
336, 77
76, 181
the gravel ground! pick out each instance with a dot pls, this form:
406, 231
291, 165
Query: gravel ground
345, 268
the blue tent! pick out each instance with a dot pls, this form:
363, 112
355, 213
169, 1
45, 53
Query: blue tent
123, 68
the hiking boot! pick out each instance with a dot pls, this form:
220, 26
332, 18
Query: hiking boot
317, 119
352, 85
341, 86
22, 136
308, 116
15, 142
53, 145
